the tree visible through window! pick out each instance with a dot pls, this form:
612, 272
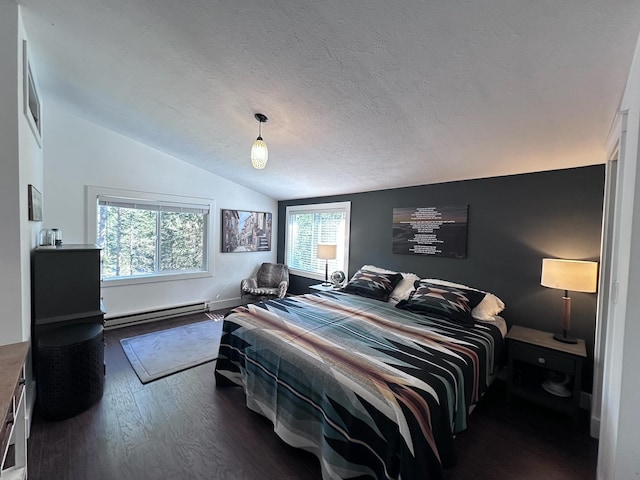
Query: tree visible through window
140, 239
309, 225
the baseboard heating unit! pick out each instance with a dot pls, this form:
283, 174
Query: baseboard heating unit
153, 315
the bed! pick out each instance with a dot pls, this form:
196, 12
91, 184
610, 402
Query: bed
373, 390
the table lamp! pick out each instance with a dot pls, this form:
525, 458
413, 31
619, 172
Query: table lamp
575, 275
326, 252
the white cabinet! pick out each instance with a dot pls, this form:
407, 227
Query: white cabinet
13, 436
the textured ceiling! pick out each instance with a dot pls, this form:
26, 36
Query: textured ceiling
360, 95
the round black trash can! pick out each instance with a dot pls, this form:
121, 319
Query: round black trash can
70, 370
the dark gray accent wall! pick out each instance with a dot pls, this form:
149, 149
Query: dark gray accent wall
514, 222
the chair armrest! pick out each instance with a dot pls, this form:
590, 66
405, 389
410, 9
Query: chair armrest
248, 283
282, 289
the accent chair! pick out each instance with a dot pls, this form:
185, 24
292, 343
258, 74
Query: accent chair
271, 281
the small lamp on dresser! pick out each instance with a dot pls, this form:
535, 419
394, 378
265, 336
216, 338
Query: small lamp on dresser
575, 275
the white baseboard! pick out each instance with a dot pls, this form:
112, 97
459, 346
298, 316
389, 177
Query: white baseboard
146, 316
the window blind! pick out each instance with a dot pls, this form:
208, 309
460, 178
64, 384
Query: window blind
152, 205
309, 225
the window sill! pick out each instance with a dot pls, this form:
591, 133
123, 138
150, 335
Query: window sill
120, 282
304, 274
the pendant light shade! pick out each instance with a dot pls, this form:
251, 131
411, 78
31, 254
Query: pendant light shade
259, 151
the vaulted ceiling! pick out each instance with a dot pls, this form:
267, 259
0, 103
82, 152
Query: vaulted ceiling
360, 94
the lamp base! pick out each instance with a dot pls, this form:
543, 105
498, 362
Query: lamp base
557, 389
564, 339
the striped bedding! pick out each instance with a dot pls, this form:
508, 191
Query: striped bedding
373, 391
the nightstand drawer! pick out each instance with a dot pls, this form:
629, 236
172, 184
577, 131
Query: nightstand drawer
542, 357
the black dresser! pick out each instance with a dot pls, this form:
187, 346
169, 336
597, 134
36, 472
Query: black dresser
67, 329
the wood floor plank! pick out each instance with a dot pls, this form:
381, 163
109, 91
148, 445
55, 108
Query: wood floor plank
184, 427
55, 438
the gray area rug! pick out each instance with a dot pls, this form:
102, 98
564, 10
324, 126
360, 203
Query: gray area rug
158, 354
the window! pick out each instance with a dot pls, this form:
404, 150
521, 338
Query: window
309, 225
150, 238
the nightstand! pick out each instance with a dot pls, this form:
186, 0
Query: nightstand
321, 288
534, 357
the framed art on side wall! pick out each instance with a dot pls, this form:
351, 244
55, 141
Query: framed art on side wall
244, 231
30, 98
35, 204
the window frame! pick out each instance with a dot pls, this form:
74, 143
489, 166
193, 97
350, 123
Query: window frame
318, 208
93, 195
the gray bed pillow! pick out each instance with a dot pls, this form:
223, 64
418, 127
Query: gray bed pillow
449, 303
372, 284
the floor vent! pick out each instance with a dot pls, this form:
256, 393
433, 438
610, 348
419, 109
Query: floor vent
153, 315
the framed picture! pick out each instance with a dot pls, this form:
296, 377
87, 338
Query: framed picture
440, 231
244, 231
30, 99
35, 204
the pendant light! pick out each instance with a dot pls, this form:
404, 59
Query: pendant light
259, 152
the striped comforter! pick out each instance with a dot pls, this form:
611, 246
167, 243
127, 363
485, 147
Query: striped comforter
373, 391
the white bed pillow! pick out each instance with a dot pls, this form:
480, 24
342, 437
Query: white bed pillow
403, 289
489, 308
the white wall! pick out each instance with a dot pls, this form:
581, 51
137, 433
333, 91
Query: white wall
80, 153
10, 279
618, 457
31, 172
20, 165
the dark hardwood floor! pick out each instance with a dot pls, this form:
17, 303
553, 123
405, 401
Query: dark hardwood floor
183, 427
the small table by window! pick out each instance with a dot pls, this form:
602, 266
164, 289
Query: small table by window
321, 287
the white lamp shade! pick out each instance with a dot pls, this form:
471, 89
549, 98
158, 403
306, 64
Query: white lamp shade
574, 275
259, 154
327, 251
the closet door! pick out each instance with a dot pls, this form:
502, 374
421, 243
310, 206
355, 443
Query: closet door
606, 286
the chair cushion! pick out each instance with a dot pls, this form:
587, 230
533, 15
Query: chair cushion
262, 291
